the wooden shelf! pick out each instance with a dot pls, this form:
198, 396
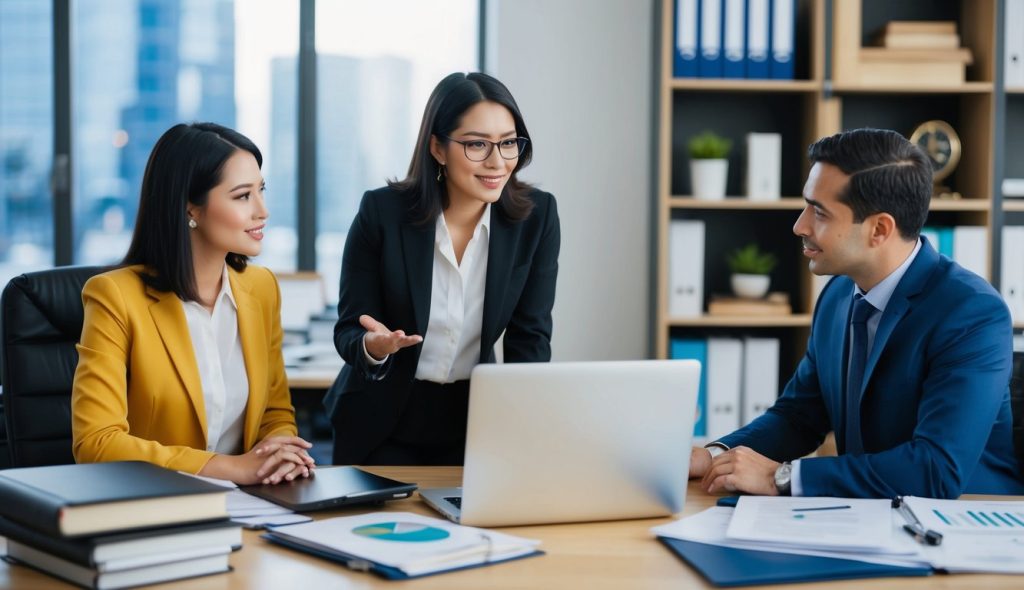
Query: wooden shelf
1015, 90
785, 203
803, 111
741, 321
959, 205
741, 85
798, 203
965, 88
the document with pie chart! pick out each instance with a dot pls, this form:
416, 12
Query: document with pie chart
414, 545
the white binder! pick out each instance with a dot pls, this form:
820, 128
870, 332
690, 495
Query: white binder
1012, 271
724, 372
970, 248
760, 376
1013, 44
686, 268
764, 166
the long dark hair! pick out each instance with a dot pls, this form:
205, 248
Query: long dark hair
449, 101
186, 162
888, 174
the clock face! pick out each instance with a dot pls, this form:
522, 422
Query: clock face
940, 143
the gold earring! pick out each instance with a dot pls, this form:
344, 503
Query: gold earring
440, 172
192, 224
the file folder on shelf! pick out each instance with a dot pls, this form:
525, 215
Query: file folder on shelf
733, 33
684, 63
783, 38
710, 62
758, 36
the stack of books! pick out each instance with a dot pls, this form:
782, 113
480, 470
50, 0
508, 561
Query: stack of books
115, 525
907, 49
918, 35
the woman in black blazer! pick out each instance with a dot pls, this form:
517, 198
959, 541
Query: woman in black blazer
436, 267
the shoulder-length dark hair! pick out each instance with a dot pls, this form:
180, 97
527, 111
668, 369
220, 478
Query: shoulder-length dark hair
449, 101
186, 162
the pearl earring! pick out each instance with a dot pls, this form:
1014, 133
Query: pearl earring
192, 224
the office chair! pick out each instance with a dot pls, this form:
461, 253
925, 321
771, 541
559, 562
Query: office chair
1017, 407
41, 319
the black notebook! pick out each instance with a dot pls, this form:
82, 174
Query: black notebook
330, 487
94, 498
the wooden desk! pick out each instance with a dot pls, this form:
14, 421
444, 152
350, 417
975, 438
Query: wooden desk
620, 554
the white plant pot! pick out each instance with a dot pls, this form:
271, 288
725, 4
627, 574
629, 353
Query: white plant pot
708, 177
750, 286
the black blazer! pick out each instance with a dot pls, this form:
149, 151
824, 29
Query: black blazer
386, 272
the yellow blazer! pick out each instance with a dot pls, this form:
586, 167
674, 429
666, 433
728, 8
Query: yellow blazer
137, 393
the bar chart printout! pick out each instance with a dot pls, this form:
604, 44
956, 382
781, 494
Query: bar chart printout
969, 516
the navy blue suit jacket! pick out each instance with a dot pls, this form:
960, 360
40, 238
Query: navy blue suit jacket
935, 409
386, 273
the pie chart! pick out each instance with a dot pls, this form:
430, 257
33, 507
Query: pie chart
403, 532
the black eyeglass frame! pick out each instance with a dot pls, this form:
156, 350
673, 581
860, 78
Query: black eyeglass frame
520, 141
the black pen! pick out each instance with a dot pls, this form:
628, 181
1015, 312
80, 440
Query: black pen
818, 508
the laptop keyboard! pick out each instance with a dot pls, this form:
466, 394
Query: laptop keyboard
455, 500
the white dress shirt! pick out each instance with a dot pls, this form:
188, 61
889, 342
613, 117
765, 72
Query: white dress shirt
451, 346
878, 297
221, 365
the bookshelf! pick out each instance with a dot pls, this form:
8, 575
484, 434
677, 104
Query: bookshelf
815, 104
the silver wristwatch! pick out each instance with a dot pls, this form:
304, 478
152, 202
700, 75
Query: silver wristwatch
784, 478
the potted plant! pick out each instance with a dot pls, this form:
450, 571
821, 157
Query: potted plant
709, 166
750, 271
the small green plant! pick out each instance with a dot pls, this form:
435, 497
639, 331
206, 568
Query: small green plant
750, 260
709, 146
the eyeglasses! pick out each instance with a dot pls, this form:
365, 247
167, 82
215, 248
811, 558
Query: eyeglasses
478, 150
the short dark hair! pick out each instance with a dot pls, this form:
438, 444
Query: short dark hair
453, 96
888, 174
186, 162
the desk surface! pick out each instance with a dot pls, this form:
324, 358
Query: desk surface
620, 554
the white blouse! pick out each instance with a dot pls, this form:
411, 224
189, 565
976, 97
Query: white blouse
221, 365
451, 346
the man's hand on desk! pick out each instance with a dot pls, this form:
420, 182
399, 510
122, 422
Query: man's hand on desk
272, 460
700, 462
737, 470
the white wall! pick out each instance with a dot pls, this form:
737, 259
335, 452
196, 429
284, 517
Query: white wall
581, 71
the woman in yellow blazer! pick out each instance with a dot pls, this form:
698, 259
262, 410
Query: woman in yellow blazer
180, 357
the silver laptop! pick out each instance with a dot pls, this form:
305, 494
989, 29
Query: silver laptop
571, 442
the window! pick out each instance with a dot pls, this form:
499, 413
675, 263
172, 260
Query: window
26, 137
142, 66
377, 63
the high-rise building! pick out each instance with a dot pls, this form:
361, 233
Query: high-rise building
363, 132
26, 131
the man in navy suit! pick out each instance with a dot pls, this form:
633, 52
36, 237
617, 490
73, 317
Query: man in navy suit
909, 356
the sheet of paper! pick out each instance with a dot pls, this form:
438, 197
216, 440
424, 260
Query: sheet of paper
969, 516
978, 535
259, 522
978, 553
710, 527
217, 482
818, 523
241, 504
